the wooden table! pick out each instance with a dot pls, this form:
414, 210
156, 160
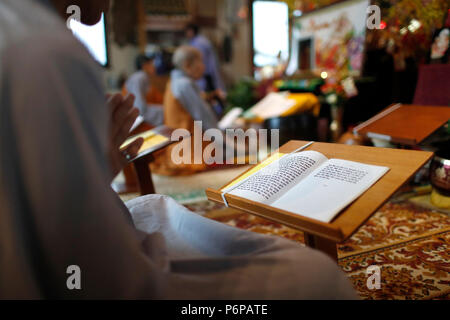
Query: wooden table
404, 124
323, 236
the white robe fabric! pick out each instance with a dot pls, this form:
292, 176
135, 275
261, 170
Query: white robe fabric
57, 208
210, 260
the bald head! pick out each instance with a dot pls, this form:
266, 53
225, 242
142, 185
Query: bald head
185, 55
189, 60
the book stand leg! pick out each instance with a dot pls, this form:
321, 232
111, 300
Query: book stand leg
144, 175
130, 185
322, 244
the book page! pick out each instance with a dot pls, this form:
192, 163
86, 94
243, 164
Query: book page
273, 105
329, 189
274, 157
228, 120
272, 181
150, 137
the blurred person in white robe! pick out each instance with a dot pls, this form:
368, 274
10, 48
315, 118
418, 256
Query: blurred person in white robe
139, 84
59, 141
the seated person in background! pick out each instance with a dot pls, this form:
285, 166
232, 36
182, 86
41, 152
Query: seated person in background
184, 104
148, 99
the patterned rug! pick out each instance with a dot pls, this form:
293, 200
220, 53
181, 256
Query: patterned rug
188, 189
410, 244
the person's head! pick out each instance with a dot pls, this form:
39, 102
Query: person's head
91, 10
146, 64
191, 31
190, 61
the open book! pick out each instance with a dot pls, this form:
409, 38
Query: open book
307, 183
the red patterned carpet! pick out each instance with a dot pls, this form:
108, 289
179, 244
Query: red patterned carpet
410, 244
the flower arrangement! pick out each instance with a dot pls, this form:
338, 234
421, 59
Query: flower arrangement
334, 93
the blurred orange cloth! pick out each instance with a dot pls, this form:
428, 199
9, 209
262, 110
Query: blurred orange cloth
305, 102
153, 95
298, 103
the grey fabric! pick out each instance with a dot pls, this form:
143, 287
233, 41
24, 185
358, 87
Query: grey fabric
138, 84
58, 210
188, 94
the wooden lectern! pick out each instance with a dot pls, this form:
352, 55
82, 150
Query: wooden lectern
139, 168
403, 164
404, 124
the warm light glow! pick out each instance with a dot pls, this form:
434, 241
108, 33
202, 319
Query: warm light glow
382, 24
414, 25
324, 75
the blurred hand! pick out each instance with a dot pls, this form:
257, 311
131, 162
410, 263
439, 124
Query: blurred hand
122, 117
220, 94
214, 96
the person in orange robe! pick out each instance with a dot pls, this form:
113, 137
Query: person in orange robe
184, 104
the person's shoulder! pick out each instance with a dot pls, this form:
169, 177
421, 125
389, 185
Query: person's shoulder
50, 54
183, 83
22, 20
39, 36
137, 80
202, 40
